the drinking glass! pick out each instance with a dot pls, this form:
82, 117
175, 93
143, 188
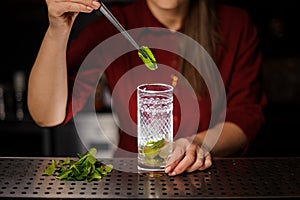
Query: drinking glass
155, 126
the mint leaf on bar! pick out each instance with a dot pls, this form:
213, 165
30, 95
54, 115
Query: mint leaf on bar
86, 168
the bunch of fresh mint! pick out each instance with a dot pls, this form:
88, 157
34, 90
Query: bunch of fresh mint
86, 168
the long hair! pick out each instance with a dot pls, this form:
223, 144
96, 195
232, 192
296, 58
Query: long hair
200, 24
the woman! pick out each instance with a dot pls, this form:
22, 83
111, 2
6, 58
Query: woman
225, 32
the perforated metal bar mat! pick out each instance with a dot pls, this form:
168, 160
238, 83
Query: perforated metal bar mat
228, 178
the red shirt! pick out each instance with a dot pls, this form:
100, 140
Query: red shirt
238, 61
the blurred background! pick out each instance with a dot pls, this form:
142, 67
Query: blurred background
24, 24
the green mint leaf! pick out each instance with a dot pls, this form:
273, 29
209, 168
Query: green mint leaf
92, 151
51, 169
148, 58
108, 168
65, 162
64, 174
86, 168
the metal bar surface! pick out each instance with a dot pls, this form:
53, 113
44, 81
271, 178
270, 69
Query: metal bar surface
228, 178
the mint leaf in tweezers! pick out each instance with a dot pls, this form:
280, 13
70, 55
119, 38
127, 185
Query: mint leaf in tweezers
147, 57
86, 168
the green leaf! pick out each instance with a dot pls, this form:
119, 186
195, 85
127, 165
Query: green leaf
87, 168
65, 162
92, 151
108, 168
64, 174
148, 58
50, 170
91, 159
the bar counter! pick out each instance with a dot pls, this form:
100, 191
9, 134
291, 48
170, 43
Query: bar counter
228, 178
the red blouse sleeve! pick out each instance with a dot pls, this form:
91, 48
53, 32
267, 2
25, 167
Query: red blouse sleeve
241, 70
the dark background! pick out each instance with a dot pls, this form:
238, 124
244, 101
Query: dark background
23, 24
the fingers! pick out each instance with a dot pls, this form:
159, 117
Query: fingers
191, 160
177, 156
187, 161
90, 4
62, 13
59, 7
207, 163
201, 162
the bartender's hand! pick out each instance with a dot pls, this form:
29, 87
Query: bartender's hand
62, 13
187, 156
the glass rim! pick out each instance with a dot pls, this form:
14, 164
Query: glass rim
168, 88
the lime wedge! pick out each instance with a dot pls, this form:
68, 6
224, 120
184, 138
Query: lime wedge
152, 148
150, 153
164, 150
